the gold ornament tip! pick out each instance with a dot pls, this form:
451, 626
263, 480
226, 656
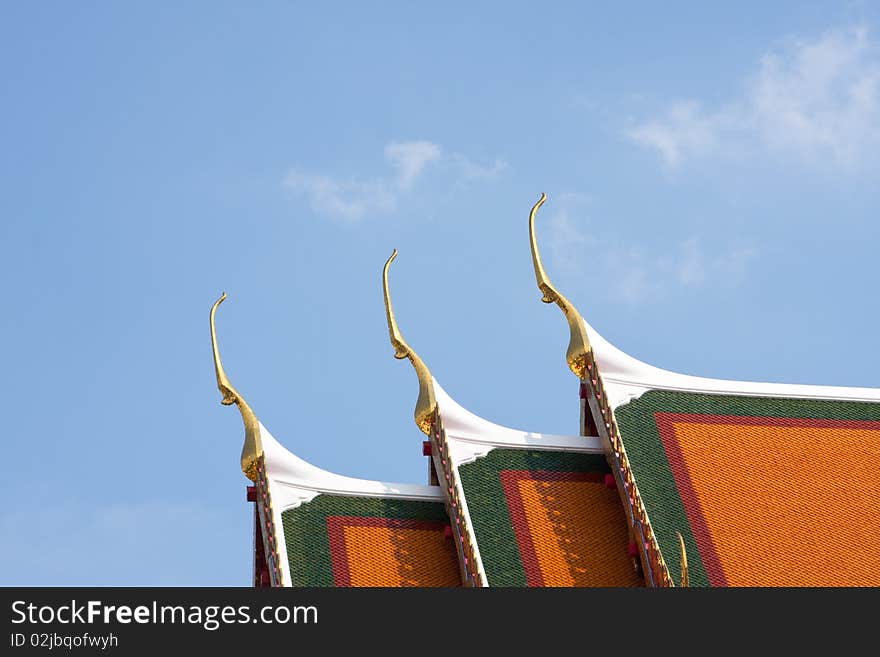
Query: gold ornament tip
252, 449
401, 349
426, 405
579, 343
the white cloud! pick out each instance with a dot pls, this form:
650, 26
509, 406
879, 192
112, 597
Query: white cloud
410, 159
471, 170
566, 242
818, 100
631, 274
351, 200
685, 131
692, 267
348, 200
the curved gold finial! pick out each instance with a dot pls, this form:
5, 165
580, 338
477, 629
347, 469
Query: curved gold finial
253, 447
684, 562
578, 344
426, 406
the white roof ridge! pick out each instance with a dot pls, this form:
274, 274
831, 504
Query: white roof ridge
471, 436
303, 481
631, 377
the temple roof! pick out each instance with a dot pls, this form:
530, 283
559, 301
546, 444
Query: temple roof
676, 478
318, 528
732, 482
534, 509
512, 508
333, 530
769, 484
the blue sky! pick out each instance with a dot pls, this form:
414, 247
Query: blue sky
712, 178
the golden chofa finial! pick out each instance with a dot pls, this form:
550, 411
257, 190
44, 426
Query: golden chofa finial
685, 580
253, 447
426, 406
579, 343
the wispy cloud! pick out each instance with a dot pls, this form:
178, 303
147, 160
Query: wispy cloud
686, 131
818, 100
567, 243
632, 274
470, 170
349, 200
410, 159
352, 199
692, 265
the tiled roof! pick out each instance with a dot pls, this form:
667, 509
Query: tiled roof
766, 491
544, 518
366, 541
